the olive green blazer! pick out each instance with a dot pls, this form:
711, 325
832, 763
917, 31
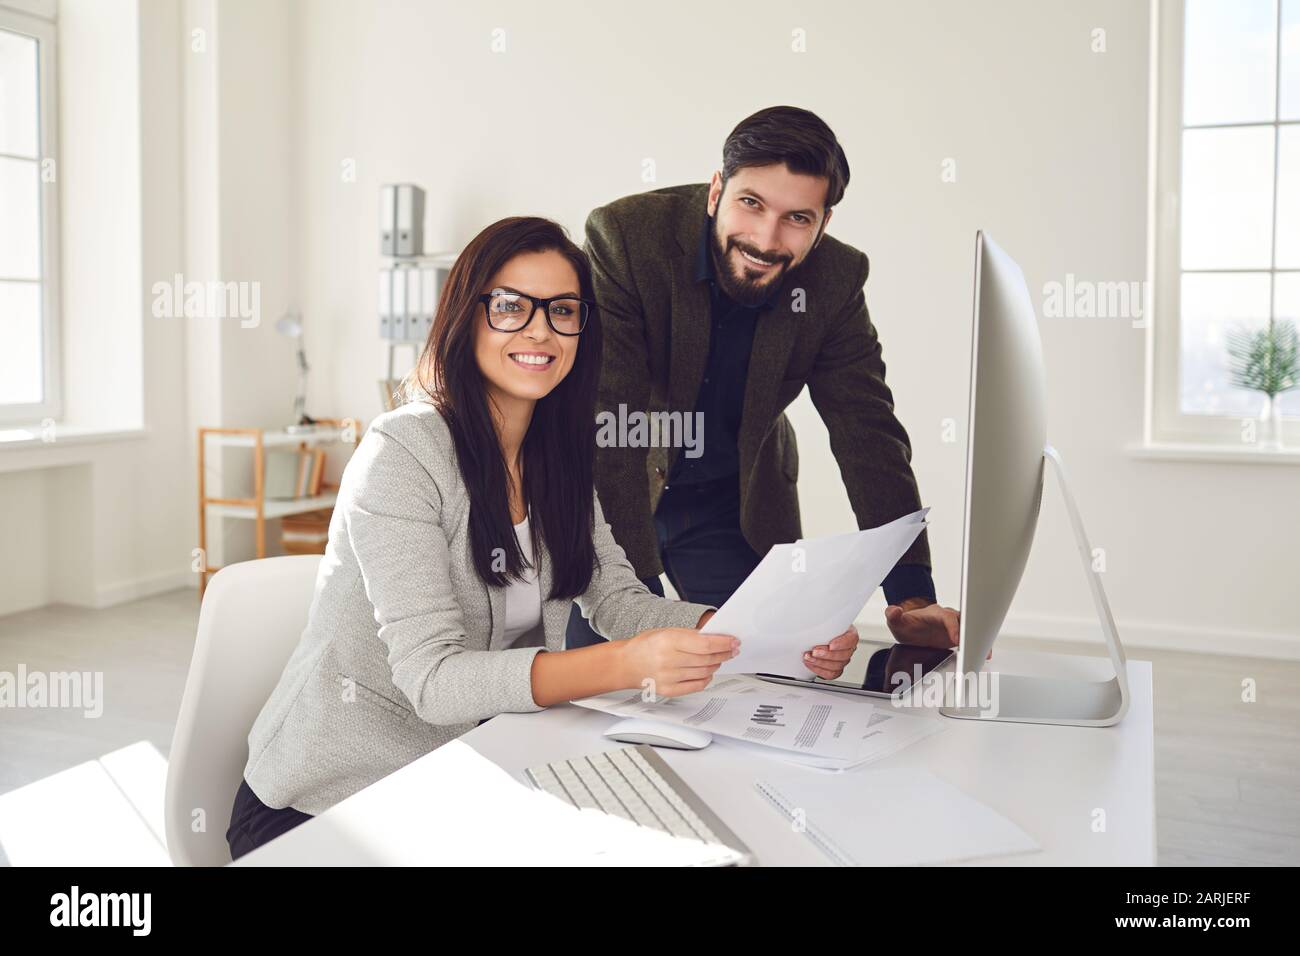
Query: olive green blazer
655, 320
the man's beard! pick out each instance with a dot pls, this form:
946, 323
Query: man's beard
742, 289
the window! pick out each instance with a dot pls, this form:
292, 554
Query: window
1226, 206
29, 352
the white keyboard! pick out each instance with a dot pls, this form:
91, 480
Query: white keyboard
635, 783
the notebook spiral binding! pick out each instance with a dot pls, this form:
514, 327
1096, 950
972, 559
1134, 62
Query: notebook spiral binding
819, 839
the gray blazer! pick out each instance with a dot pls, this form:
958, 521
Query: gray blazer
395, 658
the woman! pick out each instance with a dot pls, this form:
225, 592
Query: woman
466, 525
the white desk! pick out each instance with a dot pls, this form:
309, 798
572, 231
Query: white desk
1049, 780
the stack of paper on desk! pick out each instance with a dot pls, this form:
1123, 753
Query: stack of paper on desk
806, 726
806, 593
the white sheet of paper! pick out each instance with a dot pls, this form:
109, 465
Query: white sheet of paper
896, 817
808, 592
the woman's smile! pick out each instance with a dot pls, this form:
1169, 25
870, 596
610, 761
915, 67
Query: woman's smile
533, 361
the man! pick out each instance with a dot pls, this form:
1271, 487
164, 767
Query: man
726, 299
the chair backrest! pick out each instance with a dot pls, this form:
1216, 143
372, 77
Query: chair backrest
252, 616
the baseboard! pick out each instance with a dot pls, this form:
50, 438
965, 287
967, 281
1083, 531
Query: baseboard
142, 587
1275, 645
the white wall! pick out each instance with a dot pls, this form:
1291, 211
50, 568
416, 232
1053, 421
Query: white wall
243, 159
239, 168
1049, 140
178, 158
166, 171
25, 516
98, 520
99, 191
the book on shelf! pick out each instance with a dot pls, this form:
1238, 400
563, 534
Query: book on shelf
294, 474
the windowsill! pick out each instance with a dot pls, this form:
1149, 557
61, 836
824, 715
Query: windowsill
24, 439
1213, 454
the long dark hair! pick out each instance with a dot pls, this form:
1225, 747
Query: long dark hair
559, 449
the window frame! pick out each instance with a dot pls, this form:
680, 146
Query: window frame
18, 19
1165, 420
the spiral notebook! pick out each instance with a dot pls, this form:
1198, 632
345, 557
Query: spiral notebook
891, 818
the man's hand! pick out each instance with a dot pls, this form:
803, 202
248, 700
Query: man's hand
827, 661
922, 622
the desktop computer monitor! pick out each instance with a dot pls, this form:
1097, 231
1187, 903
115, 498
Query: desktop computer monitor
1005, 455
1006, 433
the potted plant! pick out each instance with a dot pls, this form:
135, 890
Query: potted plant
1266, 360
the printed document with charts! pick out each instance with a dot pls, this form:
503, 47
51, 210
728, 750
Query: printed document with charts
800, 725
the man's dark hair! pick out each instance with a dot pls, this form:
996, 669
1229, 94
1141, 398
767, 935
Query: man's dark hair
786, 134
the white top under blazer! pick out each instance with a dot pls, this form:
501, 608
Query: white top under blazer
523, 600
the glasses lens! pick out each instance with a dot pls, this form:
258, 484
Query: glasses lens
509, 311
568, 316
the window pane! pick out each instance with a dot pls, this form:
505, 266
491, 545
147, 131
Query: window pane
1212, 304
1227, 214
1288, 197
18, 100
1286, 305
20, 343
1291, 60
1229, 61
20, 223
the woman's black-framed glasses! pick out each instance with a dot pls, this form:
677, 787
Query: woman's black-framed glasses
512, 311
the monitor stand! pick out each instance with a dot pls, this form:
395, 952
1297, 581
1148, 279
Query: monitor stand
1052, 700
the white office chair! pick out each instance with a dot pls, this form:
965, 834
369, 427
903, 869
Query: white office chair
252, 616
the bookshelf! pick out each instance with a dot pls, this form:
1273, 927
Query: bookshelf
257, 508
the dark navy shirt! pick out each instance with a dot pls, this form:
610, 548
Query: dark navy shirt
721, 400
722, 392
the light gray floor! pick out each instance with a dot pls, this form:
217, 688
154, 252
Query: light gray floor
143, 649
1227, 772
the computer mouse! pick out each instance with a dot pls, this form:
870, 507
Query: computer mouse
635, 730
